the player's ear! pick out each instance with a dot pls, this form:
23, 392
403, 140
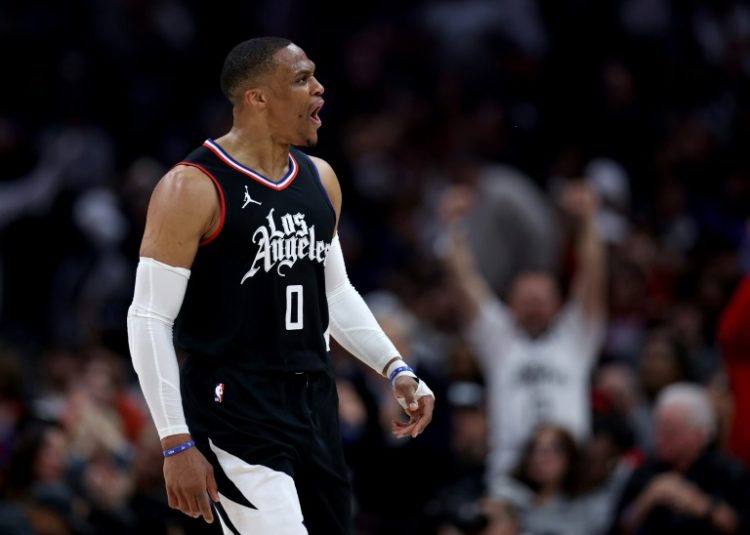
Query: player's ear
255, 97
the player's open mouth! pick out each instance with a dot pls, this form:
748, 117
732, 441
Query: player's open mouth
315, 114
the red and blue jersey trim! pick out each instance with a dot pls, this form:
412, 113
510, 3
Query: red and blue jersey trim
284, 183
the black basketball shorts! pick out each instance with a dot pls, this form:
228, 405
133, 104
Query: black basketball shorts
273, 440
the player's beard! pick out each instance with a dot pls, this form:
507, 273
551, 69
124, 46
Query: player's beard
310, 140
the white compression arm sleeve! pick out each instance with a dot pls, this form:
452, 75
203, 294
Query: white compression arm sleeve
351, 321
159, 291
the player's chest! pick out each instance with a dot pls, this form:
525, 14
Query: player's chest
259, 214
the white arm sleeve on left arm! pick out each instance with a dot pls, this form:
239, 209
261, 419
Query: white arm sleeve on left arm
159, 291
351, 321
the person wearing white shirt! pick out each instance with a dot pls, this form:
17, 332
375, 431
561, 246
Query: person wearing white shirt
535, 350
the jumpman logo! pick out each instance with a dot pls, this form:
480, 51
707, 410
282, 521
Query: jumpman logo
249, 199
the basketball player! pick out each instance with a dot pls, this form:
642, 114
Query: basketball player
240, 243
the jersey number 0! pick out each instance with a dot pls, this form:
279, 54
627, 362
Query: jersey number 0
294, 307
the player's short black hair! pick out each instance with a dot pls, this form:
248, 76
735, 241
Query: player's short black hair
248, 60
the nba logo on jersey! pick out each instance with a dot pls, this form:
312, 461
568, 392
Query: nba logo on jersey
219, 393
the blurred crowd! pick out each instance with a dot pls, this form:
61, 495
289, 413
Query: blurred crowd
546, 205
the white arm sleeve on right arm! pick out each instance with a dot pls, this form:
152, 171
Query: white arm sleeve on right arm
159, 291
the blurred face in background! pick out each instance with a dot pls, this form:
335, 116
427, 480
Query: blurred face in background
548, 462
678, 440
659, 364
534, 300
49, 464
601, 459
100, 382
617, 383
469, 437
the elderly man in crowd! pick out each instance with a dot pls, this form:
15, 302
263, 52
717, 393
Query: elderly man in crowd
687, 487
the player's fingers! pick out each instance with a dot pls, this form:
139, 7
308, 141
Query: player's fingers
211, 486
400, 434
427, 404
426, 408
422, 422
204, 506
414, 430
181, 503
172, 499
187, 504
411, 402
401, 429
398, 424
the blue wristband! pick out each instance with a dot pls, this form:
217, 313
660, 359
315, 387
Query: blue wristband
179, 448
398, 370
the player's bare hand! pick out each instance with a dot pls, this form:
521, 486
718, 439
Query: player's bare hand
190, 484
418, 402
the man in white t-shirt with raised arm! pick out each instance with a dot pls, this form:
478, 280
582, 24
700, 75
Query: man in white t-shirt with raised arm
536, 352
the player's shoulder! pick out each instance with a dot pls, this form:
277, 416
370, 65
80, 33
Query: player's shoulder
185, 182
322, 165
329, 180
188, 176
325, 171
323, 168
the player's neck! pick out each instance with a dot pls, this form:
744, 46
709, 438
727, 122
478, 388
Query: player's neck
257, 152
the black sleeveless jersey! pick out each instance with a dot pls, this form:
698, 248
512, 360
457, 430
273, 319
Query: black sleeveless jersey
256, 295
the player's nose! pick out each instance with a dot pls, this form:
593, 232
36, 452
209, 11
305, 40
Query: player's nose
317, 87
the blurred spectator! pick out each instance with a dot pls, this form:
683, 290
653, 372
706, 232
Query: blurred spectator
722, 31
40, 456
97, 407
607, 462
687, 486
545, 483
488, 516
59, 166
611, 183
689, 325
502, 518
628, 309
59, 368
456, 503
616, 388
536, 354
464, 30
36, 486
508, 213
662, 362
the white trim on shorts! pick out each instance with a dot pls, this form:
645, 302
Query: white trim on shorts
273, 493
